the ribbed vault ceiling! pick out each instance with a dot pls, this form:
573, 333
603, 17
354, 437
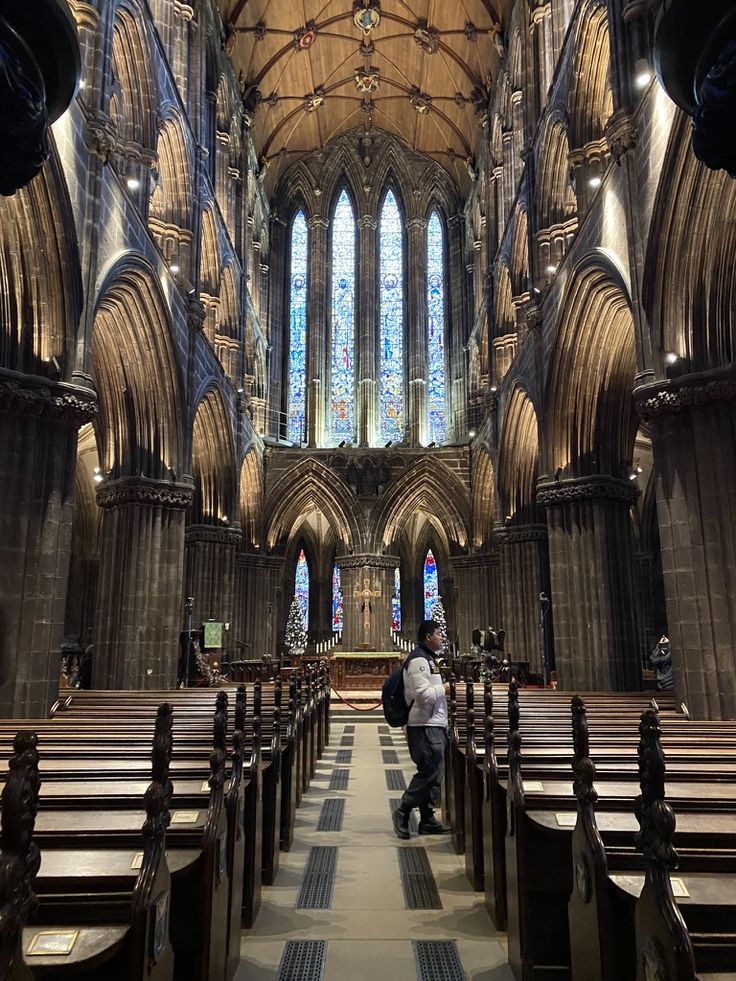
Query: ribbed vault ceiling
312, 69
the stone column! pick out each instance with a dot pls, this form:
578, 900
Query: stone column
138, 617
417, 411
523, 566
256, 629
592, 582
39, 420
693, 427
478, 594
379, 571
317, 332
368, 427
209, 571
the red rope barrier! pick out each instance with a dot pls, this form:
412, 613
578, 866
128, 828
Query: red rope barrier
356, 708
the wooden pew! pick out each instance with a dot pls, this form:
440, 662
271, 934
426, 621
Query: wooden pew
136, 944
623, 923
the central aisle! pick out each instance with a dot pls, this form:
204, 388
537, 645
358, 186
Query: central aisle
367, 932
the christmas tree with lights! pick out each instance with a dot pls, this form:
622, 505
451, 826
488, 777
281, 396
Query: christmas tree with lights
296, 636
438, 614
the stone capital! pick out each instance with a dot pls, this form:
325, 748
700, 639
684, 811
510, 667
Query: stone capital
368, 561
418, 224
479, 560
213, 534
593, 488
621, 134
142, 491
259, 562
670, 397
515, 534
317, 221
533, 316
55, 401
367, 221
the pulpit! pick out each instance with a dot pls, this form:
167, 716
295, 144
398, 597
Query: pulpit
361, 670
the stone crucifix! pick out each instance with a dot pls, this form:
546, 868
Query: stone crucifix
364, 596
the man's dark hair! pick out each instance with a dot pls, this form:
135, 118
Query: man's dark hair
426, 627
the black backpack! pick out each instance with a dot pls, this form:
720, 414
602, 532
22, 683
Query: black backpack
395, 709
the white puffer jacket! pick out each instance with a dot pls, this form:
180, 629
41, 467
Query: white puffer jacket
424, 687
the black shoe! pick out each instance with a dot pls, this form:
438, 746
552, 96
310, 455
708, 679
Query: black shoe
431, 826
401, 824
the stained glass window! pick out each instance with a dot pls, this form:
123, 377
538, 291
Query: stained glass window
297, 329
343, 321
337, 604
396, 603
431, 585
392, 321
436, 335
301, 587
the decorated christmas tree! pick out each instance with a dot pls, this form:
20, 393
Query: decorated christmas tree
438, 614
296, 635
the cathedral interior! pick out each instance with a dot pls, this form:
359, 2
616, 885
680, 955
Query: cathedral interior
368, 305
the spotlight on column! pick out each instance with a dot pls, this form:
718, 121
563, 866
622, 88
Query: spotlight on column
642, 73
430, 445
340, 445
558, 473
594, 182
390, 443
133, 183
671, 358
98, 478
174, 269
471, 433
551, 270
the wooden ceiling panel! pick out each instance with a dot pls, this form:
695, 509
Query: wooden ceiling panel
421, 69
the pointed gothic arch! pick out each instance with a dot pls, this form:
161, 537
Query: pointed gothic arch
213, 463
137, 375
518, 460
589, 415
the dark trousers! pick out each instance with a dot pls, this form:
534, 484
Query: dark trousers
427, 748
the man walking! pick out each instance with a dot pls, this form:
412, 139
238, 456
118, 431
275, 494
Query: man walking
426, 733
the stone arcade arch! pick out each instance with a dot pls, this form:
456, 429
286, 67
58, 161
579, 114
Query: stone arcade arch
590, 430
145, 494
213, 533
521, 534
40, 306
690, 410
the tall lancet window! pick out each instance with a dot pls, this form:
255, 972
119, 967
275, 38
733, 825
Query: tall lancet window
343, 321
337, 601
396, 602
436, 390
431, 585
301, 587
392, 322
298, 330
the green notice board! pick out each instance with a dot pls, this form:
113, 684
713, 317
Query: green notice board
211, 635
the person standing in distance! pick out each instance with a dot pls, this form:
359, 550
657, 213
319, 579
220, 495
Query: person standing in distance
426, 733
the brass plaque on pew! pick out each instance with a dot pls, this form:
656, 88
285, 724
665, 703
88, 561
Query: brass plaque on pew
52, 943
679, 889
566, 820
137, 862
533, 786
185, 817
205, 787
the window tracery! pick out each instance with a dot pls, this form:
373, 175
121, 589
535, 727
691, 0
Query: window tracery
301, 587
392, 321
297, 329
436, 386
343, 321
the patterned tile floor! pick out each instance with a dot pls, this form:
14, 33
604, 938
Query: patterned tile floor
368, 929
